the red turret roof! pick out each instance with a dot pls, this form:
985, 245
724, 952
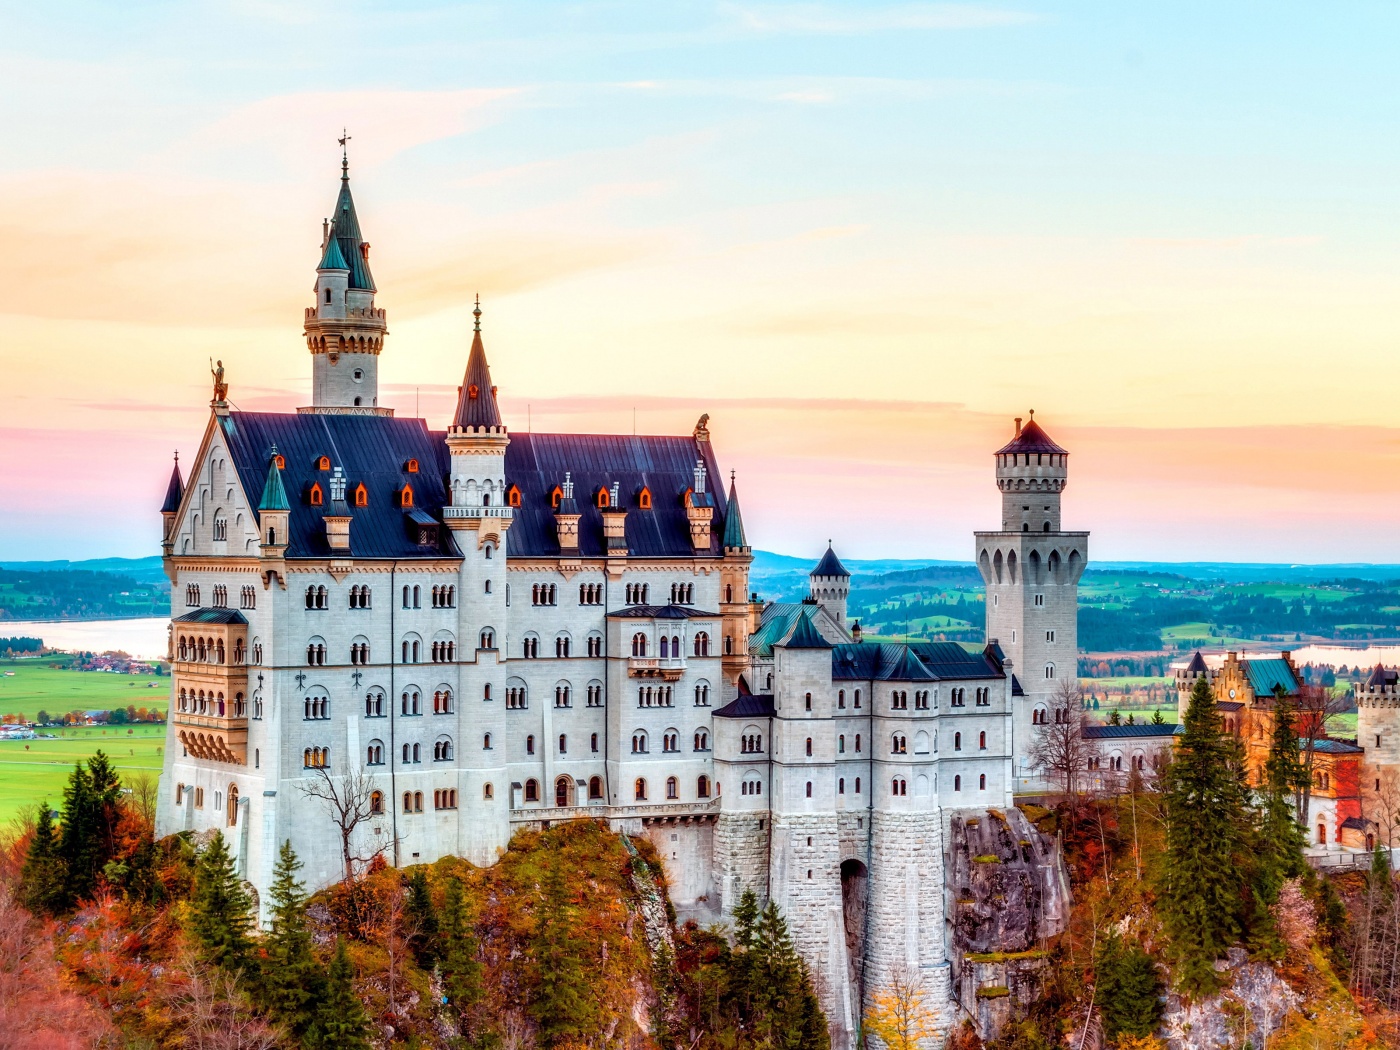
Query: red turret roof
1031, 438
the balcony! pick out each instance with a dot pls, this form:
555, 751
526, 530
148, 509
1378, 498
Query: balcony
212, 737
666, 668
477, 513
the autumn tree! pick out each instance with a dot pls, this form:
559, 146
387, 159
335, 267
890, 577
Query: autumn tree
899, 1016
349, 800
292, 981
1207, 836
1058, 749
1317, 710
220, 910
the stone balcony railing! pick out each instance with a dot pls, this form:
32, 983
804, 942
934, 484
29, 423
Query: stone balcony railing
663, 811
476, 513
212, 737
669, 668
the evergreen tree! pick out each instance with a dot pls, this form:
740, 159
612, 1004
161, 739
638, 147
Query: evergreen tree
563, 1004
340, 1022
43, 876
1126, 988
1381, 880
219, 909
1157, 719
741, 985
456, 950
1278, 851
1207, 832
292, 982
785, 1014
78, 839
422, 920
1114, 718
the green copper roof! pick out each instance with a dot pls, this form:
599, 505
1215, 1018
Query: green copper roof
332, 259
806, 636
274, 496
345, 228
1265, 674
733, 522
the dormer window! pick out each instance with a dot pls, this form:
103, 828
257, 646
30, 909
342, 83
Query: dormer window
555, 496
281, 461
323, 462
602, 498
406, 496
316, 496
361, 495
473, 391
411, 466
644, 499
513, 496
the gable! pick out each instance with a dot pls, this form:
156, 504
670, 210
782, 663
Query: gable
215, 518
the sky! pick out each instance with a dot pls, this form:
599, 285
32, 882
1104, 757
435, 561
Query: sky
863, 237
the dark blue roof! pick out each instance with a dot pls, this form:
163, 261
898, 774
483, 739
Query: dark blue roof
664, 465
1134, 731
174, 491
662, 612
830, 565
747, 705
911, 662
212, 616
375, 450
1197, 665
734, 522
372, 450
476, 398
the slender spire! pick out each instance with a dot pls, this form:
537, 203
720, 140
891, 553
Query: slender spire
175, 491
476, 314
274, 495
733, 520
476, 400
345, 229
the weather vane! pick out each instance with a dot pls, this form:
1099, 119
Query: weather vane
344, 151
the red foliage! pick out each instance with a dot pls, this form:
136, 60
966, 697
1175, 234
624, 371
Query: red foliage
37, 1006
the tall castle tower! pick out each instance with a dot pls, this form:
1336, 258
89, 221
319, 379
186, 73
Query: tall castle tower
831, 585
345, 330
1031, 569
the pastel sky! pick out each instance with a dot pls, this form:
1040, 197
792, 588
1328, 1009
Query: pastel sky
862, 237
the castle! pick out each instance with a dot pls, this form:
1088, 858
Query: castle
393, 641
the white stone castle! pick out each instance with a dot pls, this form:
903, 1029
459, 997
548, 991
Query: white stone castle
461, 633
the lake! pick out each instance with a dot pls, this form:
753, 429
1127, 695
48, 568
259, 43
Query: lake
143, 637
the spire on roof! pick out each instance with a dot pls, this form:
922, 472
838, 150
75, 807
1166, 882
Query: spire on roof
274, 495
830, 565
345, 234
805, 635
1197, 664
332, 259
734, 521
175, 491
476, 400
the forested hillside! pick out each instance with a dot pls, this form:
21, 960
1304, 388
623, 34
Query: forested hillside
44, 594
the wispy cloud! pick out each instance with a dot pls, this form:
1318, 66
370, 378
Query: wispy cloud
830, 19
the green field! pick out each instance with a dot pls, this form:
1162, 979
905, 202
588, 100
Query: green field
34, 770
36, 685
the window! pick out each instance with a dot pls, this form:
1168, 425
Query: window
1049, 670
958, 697
899, 786
544, 594
530, 744
808, 702
361, 496
376, 802
513, 496
639, 789
488, 792
957, 783
957, 741
921, 700
486, 742
984, 697
841, 699
316, 496
595, 694
673, 788
857, 785
530, 647
248, 598
220, 528
595, 788
702, 694
982, 741
1040, 600
899, 700
359, 652
410, 704
1049, 636
412, 753
316, 597
702, 740
374, 704
644, 499
1040, 716
444, 652
841, 744
809, 747
751, 744
316, 757
374, 753
359, 597
702, 643
442, 701
702, 787
669, 741
316, 654
445, 596
442, 749
220, 596
562, 644
445, 799
192, 594
488, 639
516, 697
857, 743
532, 791
639, 743
982, 782
751, 787
639, 644
899, 745
841, 786
593, 743
809, 795
316, 707
406, 496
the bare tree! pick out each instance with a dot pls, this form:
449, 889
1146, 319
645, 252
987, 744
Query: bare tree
212, 1011
1317, 708
350, 802
1058, 748
143, 790
1380, 797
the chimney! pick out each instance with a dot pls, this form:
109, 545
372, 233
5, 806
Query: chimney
338, 515
1018, 426
855, 632
566, 516
699, 509
615, 525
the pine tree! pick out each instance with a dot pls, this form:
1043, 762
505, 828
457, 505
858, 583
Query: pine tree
422, 920
292, 982
78, 839
219, 909
741, 959
1126, 988
1207, 831
785, 1009
563, 1004
1114, 718
340, 1022
1157, 719
456, 948
43, 875
1278, 850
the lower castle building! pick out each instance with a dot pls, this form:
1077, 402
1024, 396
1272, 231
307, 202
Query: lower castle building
400, 642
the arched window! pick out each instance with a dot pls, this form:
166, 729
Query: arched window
639, 742
374, 753
639, 644
530, 744
595, 788
639, 789
809, 747
442, 749
982, 741
488, 792
809, 789
406, 496
532, 791
644, 499
982, 782
376, 802
957, 783
702, 643
673, 788
702, 787
1049, 670
488, 638
702, 740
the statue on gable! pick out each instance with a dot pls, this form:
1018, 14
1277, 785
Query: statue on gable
220, 387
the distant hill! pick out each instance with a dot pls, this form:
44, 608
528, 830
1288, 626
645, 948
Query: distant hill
142, 570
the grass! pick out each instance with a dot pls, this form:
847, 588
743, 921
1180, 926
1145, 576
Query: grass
34, 770
36, 686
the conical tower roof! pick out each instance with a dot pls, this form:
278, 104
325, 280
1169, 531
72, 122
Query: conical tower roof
734, 521
332, 259
175, 491
830, 565
1030, 438
345, 233
1197, 664
476, 400
274, 494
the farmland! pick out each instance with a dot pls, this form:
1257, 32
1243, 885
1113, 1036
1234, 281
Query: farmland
37, 685
33, 771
